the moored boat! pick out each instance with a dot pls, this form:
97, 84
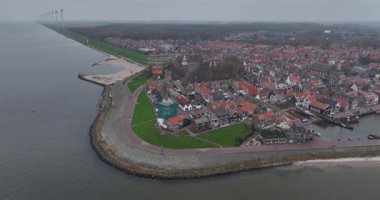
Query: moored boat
373, 137
317, 134
347, 126
351, 119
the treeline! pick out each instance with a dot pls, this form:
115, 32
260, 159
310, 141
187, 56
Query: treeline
188, 31
227, 69
365, 60
262, 33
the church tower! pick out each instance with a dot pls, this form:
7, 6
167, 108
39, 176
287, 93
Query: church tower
184, 61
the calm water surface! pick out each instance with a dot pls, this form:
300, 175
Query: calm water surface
45, 114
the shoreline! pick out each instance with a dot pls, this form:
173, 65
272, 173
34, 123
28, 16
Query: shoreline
114, 146
148, 171
133, 167
338, 161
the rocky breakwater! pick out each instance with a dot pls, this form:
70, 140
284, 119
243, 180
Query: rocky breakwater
116, 145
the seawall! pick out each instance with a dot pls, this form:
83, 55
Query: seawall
150, 170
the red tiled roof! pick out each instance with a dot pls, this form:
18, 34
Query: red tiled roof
157, 70
315, 81
318, 105
179, 97
215, 105
342, 101
175, 120
157, 67
203, 90
265, 115
280, 118
250, 89
244, 109
295, 79
248, 105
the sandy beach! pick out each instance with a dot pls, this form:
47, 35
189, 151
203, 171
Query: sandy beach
128, 70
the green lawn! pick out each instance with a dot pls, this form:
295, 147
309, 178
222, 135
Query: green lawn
137, 81
149, 133
144, 125
143, 110
226, 136
117, 51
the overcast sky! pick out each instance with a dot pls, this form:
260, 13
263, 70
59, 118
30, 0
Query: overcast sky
205, 10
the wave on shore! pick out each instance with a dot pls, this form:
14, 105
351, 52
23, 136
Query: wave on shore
338, 161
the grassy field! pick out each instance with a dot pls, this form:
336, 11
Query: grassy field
226, 136
117, 51
149, 133
106, 47
144, 125
143, 110
137, 81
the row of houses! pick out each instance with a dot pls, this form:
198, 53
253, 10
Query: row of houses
300, 132
329, 105
204, 110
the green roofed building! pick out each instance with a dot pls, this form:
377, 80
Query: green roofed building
167, 108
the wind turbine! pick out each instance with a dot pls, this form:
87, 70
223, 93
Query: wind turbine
56, 17
52, 17
63, 24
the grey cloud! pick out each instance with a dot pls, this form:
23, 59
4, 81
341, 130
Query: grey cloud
206, 10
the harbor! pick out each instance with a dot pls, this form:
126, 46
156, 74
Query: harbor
360, 131
344, 120
344, 128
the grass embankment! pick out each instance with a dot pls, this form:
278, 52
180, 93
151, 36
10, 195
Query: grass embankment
137, 81
144, 125
135, 56
226, 136
117, 51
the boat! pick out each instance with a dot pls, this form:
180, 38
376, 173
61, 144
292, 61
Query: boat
373, 137
317, 134
351, 119
347, 126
